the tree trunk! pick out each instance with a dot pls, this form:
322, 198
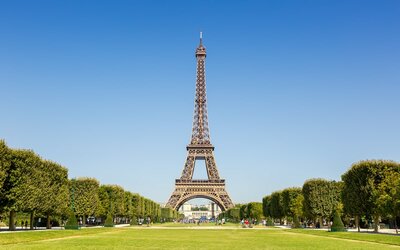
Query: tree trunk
357, 222
321, 222
395, 224
31, 221
48, 226
11, 225
376, 223
84, 220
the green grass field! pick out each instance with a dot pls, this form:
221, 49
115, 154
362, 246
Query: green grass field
175, 237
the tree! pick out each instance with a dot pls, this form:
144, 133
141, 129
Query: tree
136, 207
367, 189
5, 164
86, 196
118, 200
243, 211
267, 206
321, 198
129, 209
292, 204
168, 214
104, 203
56, 191
141, 207
254, 210
22, 175
234, 214
396, 203
31, 183
297, 210
276, 208
112, 200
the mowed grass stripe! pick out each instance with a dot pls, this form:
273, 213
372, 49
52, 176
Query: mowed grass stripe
30, 236
125, 238
363, 237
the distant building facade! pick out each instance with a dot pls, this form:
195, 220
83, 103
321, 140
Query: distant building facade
197, 212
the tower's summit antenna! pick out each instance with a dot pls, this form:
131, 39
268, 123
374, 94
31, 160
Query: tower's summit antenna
201, 37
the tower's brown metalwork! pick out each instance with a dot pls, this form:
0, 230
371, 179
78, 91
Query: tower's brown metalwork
200, 148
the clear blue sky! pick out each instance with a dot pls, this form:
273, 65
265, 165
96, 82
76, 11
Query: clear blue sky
296, 89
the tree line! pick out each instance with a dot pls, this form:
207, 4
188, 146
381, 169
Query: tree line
369, 190
40, 187
251, 210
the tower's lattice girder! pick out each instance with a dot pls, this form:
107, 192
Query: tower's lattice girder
200, 147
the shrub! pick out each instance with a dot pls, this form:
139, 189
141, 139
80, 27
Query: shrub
72, 223
134, 221
296, 222
337, 225
270, 222
109, 221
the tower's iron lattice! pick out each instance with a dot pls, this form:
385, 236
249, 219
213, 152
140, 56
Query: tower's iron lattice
200, 148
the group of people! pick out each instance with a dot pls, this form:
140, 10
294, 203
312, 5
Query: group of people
247, 223
22, 224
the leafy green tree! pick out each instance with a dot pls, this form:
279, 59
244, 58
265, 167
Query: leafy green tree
104, 206
234, 214
321, 198
292, 203
56, 191
276, 208
5, 164
357, 190
112, 200
297, 210
31, 183
118, 200
86, 196
20, 190
158, 212
129, 209
255, 210
136, 206
243, 211
166, 213
141, 207
385, 194
169, 214
396, 203
267, 206
368, 189
148, 208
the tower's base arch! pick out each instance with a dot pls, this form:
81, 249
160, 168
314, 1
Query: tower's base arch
213, 190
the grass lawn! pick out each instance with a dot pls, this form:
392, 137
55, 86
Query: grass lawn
371, 237
191, 238
194, 225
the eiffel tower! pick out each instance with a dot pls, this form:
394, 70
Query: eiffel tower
200, 148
